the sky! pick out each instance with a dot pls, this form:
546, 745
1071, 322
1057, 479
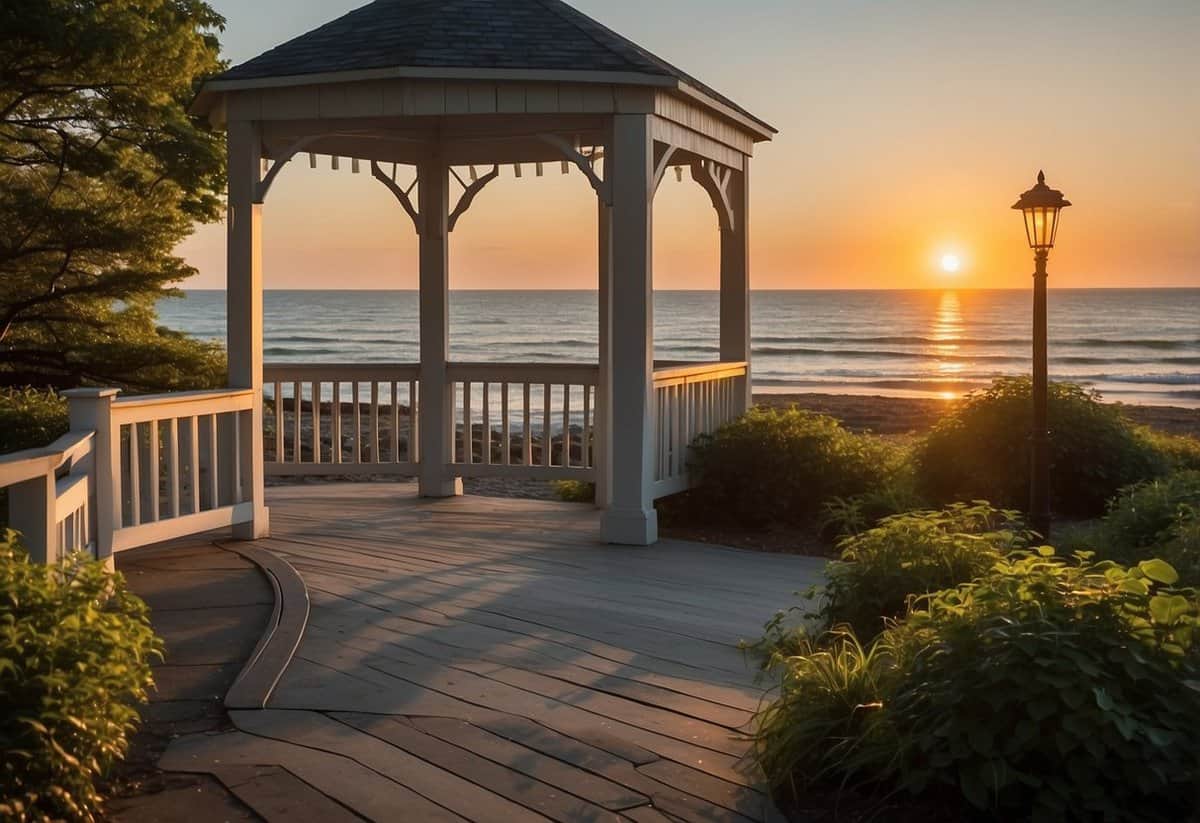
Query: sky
906, 131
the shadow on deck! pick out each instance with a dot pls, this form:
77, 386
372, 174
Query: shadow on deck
488, 659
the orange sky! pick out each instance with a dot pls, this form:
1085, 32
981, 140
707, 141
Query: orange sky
907, 131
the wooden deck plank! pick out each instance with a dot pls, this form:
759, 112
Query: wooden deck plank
489, 659
274, 793
598, 790
503, 782
456, 790
355, 786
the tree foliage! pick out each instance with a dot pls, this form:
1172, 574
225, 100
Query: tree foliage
102, 174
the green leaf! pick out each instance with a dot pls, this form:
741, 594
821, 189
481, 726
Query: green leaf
1159, 571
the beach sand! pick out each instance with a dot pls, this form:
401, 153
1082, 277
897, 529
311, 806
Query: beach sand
909, 415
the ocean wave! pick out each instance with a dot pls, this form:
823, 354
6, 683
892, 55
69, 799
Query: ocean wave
1165, 379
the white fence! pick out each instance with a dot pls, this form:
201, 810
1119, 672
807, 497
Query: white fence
526, 420
138, 470
134, 471
341, 419
49, 495
691, 400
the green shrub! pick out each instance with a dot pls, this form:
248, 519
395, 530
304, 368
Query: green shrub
1179, 451
75, 647
1068, 689
912, 554
1155, 518
780, 465
980, 450
30, 418
575, 491
1046, 689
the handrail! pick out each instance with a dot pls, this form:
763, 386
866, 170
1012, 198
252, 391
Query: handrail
344, 372
524, 372
17, 467
708, 370
147, 407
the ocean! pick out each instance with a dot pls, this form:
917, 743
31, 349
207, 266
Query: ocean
1133, 345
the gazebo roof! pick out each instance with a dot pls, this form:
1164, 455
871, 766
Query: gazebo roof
437, 38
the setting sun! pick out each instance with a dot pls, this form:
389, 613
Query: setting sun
951, 263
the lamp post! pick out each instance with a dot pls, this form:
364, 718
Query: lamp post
1040, 206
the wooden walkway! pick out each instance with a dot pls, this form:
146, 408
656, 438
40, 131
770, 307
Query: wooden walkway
488, 660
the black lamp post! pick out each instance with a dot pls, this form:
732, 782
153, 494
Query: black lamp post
1040, 206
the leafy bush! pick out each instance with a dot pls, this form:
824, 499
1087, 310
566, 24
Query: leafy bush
575, 491
1156, 518
907, 555
980, 450
30, 418
1046, 689
780, 465
75, 647
1179, 451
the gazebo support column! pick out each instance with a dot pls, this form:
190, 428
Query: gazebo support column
630, 518
435, 409
735, 279
244, 319
603, 428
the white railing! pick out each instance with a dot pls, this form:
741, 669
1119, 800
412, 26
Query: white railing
691, 400
340, 419
179, 464
134, 471
49, 493
524, 420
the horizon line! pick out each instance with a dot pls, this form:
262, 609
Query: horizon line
716, 290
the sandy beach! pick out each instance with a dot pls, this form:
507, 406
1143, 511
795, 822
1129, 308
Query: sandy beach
909, 415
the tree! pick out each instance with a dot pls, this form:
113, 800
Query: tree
102, 174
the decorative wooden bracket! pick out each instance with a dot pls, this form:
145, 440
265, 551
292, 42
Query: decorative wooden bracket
401, 194
469, 191
601, 187
263, 186
715, 180
662, 162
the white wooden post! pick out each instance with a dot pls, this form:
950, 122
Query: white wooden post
631, 519
32, 512
603, 411
244, 296
735, 283
436, 408
91, 410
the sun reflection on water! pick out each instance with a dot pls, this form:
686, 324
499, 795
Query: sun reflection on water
947, 332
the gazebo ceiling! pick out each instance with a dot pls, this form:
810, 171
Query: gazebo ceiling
519, 40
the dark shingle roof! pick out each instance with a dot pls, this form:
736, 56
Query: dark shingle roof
473, 34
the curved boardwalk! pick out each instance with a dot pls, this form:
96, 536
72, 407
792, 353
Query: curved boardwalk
488, 659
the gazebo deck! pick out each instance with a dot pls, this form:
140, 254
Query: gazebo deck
488, 659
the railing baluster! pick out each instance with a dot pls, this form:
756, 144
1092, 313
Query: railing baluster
566, 435
373, 454
506, 433
527, 432
357, 423
135, 476
214, 493
316, 421
194, 461
585, 444
154, 480
486, 441
336, 434
395, 422
547, 437
297, 394
414, 453
466, 426
173, 467
279, 424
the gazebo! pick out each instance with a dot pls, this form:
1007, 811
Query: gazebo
434, 99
